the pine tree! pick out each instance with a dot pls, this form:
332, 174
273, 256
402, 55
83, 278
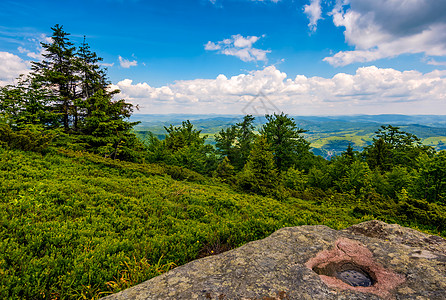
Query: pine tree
349, 153
225, 142
92, 80
184, 146
93, 77
57, 72
286, 140
235, 142
246, 137
392, 147
27, 103
379, 155
225, 170
259, 174
68, 89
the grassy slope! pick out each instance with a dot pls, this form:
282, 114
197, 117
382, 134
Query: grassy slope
76, 226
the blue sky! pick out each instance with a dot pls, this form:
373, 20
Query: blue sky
308, 57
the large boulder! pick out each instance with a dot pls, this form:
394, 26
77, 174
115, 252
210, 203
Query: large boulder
371, 260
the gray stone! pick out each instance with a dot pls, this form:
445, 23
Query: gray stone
403, 264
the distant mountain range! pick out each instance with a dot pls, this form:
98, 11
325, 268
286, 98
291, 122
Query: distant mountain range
329, 135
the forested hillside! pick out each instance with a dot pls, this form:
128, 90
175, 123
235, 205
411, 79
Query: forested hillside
88, 208
329, 136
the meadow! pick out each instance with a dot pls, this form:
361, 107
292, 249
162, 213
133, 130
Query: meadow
78, 226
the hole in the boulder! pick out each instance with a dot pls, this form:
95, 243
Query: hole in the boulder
355, 278
348, 272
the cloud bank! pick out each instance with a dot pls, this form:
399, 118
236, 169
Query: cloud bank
370, 90
386, 28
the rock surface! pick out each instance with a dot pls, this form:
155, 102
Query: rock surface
304, 262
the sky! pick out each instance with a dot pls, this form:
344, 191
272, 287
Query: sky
302, 57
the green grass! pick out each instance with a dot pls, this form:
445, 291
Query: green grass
77, 226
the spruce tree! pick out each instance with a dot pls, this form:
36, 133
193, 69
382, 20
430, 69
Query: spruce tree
57, 72
286, 140
68, 89
92, 80
225, 142
246, 137
259, 174
235, 142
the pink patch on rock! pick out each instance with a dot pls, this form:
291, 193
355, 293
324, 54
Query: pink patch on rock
350, 252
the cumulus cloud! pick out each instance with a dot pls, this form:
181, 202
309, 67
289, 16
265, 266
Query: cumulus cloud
11, 66
388, 28
314, 13
125, 63
240, 47
370, 90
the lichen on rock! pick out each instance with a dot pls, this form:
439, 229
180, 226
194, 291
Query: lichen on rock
401, 262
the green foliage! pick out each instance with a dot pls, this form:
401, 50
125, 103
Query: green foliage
404, 210
379, 155
181, 173
79, 219
356, 179
134, 272
183, 136
295, 179
259, 174
30, 138
320, 178
183, 147
28, 103
235, 142
105, 130
245, 139
396, 180
287, 143
57, 72
391, 147
225, 170
430, 180
75, 225
68, 89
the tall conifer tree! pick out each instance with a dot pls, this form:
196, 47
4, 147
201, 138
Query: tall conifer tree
57, 72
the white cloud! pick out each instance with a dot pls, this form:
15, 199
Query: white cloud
240, 47
125, 63
436, 63
212, 46
107, 64
313, 12
34, 55
370, 90
11, 66
35, 42
388, 28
